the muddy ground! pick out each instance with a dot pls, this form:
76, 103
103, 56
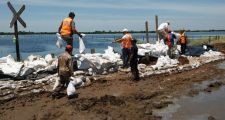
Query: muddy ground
113, 97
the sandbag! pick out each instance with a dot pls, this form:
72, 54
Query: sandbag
59, 42
10, 67
56, 83
71, 91
81, 44
78, 82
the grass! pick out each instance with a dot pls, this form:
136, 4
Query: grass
207, 40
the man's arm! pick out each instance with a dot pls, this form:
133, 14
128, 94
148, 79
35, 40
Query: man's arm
118, 40
74, 30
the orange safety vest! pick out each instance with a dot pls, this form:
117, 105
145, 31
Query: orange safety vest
66, 29
127, 42
182, 39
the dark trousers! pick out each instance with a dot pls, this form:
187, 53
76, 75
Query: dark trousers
63, 83
68, 39
183, 48
125, 56
134, 69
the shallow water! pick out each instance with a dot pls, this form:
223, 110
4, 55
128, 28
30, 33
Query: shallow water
221, 65
199, 107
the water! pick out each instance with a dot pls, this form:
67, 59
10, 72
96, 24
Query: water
199, 107
45, 44
221, 65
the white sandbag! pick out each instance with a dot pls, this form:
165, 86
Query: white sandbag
10, 67
49, 58
155, 50
71, 90
26, 71
56, 83
85, 63
164, 62
59, 42
78, 81
32, 58
81, 44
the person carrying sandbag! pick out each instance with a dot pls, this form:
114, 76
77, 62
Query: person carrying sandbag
65, 70
67, 29
163, 30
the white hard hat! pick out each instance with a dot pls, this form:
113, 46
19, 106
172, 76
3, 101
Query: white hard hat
125, 30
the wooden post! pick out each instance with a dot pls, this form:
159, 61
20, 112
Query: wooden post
17, 41
16, 17
156, 27
92, 50
146, 28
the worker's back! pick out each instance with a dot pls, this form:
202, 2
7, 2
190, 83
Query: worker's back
170, 39
65, 64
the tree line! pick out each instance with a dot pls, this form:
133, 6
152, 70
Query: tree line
103, 32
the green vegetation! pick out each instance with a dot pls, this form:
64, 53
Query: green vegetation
208, 40
101, 32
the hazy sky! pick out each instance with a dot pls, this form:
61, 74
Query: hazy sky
91, 15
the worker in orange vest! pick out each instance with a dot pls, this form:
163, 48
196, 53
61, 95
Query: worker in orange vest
126, 44
67, 29
183, 42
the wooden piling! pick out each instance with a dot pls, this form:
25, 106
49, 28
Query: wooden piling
92, 50
146, 29
156, 27
17, 41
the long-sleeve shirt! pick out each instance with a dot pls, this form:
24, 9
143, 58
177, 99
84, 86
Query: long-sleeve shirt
65, 64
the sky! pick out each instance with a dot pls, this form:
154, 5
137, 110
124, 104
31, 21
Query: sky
114, 15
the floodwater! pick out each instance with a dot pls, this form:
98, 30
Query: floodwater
200, 107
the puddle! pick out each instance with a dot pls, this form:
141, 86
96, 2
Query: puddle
221, 65
200, 107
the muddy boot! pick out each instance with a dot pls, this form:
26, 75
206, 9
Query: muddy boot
56, 95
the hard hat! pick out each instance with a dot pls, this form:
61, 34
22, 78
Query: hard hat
69, 48
125, 30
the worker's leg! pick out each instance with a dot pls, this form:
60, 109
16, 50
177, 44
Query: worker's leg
134, 70
125, 55
169, 52
183, 48
68, 39
60, 86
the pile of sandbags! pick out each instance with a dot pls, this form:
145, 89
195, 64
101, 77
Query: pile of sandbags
9, 67
32, 65
99, 63
155, 50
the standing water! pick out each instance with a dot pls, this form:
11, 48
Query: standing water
200, 107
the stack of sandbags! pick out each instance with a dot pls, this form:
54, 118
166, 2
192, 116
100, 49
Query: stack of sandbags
8, 66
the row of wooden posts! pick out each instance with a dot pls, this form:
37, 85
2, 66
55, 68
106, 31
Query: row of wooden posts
16, 17
156, 29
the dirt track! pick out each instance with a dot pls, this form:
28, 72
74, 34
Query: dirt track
113, 97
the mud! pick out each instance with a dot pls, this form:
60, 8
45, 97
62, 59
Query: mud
113, 97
